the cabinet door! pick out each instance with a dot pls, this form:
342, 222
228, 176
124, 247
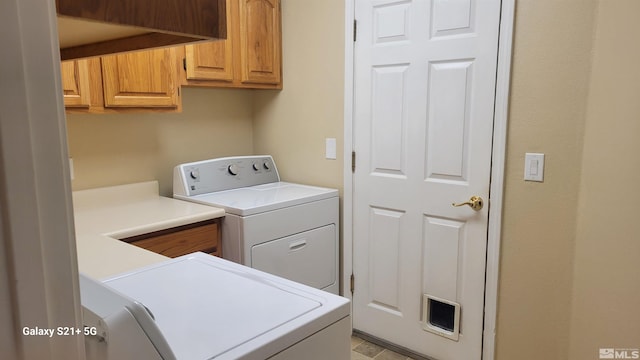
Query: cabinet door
75, 83
260, 48
212, 60
141, 79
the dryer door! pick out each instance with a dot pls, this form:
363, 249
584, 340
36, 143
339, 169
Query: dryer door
308, 258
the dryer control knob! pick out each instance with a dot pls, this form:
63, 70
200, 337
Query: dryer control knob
194, 174
233, 169
266, 165
256, 167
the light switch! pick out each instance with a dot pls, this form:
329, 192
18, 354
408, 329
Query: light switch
534, 167
330, 150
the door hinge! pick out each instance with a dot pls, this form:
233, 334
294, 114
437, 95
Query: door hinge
355, 30
353, 284
353, 161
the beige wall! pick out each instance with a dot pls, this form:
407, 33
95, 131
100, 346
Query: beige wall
292, 124
551, 64
606, 288
118, 149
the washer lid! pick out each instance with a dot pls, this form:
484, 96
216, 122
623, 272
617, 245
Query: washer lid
205, 308
260, 198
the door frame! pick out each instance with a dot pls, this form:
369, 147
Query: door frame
39, 284
498, 155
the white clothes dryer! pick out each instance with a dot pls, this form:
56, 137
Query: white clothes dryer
287, 229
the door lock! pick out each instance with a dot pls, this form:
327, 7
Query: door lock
475, 202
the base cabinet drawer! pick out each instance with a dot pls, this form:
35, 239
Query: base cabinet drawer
203, 236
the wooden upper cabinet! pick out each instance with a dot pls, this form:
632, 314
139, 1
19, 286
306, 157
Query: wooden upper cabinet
250, 57
75, 83
260, 41
141, 79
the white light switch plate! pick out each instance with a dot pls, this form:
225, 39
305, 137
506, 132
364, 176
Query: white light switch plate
534, 167
330, 149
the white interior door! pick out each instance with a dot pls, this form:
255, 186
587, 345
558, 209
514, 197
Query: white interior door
424, 101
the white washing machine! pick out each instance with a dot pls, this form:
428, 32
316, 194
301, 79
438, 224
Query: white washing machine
290, 230
202, 307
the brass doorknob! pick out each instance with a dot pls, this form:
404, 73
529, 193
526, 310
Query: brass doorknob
475, 202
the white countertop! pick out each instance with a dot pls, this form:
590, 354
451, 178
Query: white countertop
104, 215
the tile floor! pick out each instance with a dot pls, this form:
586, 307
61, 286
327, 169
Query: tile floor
364, 350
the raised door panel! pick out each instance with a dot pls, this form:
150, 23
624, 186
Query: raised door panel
210, 61
75, 83
260, 45
141, 79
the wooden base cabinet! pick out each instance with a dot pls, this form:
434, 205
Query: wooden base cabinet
202, 236
250, 57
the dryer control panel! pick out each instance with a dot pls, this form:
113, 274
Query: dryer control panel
203, 177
